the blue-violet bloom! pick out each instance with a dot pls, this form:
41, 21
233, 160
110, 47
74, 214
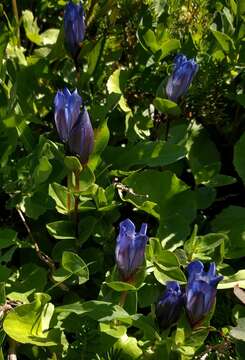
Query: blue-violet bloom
74, 27
200, 291
73, 125
181, 78
169, 307
130, 248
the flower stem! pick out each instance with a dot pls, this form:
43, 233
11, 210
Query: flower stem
76, 212
12, 350
167, 128
123, 298
69, 186
16, 15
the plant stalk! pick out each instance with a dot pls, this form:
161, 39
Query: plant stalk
167, 128
42, 256
17, 20
123, 297
76, 212
69, 186
12, 350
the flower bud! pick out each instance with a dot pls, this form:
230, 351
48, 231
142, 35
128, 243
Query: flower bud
181, 78
169, 306
74, 126
74, 28
130, 248
200, 291
81, 139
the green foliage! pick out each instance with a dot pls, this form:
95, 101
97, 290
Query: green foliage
179, 167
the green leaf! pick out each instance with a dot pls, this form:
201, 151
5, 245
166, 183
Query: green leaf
2, 294
120, 286
32, 278
75, 265
101, 138
129, 348
97, 310
29, 324
168, 46
238, 332
8, 238
205, 165
203, 247
148, 40
1, 354
114, 331
116, 84
224, 40
50, 36
72, 163
60, 195
60, 275
165, 197
159, 46
61, 229
5, 272
237, 279
231, 222
205, 196
165, 263
86, 228
167, 107
146, 324
95, 55
87, 178
147, 153
239, 159
233, 6
31, 27
37, 204
220, 180
42, 170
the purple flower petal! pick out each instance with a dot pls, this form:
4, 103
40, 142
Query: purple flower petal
74, 27
81, 137
130, 248
200, 291
169, 307
181, 78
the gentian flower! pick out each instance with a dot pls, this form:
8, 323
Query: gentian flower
74, 126
200, 291
181, 78
130, 248
74, 28
169, 306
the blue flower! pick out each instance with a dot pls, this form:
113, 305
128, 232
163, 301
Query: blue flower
180, 80
170, 305
74, 28
74, 126
200, 291
130, 248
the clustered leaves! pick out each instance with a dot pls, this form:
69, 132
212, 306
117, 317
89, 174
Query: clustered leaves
122, 179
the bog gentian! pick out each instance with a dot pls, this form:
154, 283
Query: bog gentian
74, 28
169, 307
200, 291
130, 248
73, 125
181, 78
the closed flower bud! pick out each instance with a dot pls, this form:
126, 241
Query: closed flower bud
130, 248
74, 28
74, 126
181, 78
200, 291
170, 305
